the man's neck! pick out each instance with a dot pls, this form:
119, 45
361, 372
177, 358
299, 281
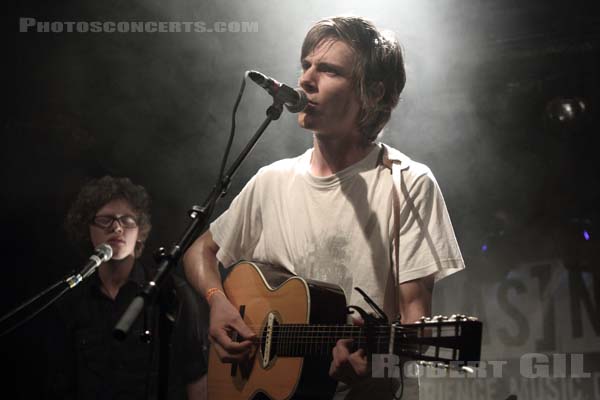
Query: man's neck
331, 155
113, 274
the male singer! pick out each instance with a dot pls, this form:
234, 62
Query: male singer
338, 212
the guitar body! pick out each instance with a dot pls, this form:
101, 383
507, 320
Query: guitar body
272, 293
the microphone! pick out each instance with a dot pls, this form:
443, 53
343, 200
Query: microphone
295, 100
102, 253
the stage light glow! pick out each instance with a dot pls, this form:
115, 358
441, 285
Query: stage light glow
586, 235
563, 110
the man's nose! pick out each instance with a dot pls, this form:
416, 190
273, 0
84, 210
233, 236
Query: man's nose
308, 81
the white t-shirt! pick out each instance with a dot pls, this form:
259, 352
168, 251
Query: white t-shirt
339, 228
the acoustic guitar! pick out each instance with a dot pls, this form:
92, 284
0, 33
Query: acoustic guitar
299, 321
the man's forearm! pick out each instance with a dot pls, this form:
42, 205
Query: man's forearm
201, 265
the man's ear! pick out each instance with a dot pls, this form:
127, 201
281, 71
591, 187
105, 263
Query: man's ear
376, 91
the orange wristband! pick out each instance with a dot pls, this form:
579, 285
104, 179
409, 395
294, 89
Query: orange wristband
210, 292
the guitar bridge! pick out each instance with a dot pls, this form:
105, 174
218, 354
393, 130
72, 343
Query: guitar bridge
268, 343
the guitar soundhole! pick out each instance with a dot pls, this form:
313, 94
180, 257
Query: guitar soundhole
268, 340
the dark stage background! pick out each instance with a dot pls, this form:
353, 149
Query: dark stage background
486, 106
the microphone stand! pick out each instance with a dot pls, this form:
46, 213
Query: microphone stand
199, 216
31, 301
66, 283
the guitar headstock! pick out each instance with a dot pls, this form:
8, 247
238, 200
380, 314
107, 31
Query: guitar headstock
447, 340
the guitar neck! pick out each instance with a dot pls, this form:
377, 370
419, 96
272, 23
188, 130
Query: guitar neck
299, 340
416, 341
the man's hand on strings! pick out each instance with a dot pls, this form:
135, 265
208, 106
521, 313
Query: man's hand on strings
224, 320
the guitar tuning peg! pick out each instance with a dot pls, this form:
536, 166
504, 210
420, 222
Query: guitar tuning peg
461, 317
456, 317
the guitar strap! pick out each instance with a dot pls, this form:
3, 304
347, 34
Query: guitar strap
396, 162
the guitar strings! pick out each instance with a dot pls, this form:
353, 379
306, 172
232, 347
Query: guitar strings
350, 330
324, 331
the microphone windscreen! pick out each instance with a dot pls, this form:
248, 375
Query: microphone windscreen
104, 251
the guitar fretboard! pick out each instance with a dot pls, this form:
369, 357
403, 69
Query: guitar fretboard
300, 340
441, 341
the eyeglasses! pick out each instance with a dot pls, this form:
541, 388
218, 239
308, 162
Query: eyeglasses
106, 221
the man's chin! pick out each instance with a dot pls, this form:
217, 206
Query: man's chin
306, 122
